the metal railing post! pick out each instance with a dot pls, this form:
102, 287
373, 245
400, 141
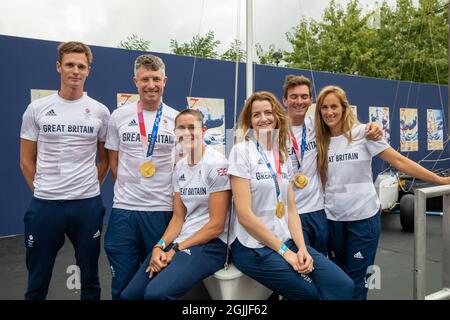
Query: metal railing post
446, 242
420, 242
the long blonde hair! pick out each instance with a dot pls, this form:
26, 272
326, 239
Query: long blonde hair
245, 122
323, 133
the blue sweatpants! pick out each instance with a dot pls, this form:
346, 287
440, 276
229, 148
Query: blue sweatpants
129, 238
46, 224
327, 281
187, 268
353, 246
315, 230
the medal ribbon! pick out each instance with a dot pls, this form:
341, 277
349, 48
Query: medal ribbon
143, 132
295, 145
275, 176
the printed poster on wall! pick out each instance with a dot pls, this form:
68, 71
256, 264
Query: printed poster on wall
380, 115
409, 130
213, 111
125, 98
435, 129
40, 93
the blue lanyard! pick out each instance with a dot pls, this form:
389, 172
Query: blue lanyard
272, 172
303, 145
153, 138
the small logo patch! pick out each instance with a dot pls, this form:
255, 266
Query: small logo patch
96, 235
30, 241
87, 113
222, 171
51, 113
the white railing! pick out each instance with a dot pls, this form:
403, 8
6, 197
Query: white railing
420, 242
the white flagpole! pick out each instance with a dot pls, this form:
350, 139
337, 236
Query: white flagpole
249, 73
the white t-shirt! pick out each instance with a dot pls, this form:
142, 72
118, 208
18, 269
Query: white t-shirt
131, 190
195, 184
350, 193
246, 162
67, 133
310, 198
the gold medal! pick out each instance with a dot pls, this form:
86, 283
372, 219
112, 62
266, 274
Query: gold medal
300, 180
279, 210
147, 169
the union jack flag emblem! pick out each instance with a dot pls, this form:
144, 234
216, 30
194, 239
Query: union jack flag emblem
222, 171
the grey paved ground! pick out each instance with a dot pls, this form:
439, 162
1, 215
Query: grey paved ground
394, 257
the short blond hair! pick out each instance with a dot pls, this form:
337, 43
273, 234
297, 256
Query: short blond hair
149, 62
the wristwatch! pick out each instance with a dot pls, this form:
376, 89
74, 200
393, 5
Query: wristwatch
175, 247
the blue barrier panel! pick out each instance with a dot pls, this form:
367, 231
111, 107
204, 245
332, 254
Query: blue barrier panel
27, 64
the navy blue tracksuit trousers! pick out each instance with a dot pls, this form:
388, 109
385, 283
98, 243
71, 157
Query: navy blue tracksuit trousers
353, 246
315, 230
130, 237
187, 268
326, 282
46, 224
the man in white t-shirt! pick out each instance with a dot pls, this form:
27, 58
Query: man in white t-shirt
297, 98
61, 136
141, 144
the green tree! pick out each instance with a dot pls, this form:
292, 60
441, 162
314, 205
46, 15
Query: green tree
134, 42
235, 49
199, 46
305, 44
268, 57
409, 44
341, 42
428, 61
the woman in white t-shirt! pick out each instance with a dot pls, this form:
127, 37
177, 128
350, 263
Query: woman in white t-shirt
351, 202
269, 245
197, 231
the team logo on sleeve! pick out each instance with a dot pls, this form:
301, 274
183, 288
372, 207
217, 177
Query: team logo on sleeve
222, 171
